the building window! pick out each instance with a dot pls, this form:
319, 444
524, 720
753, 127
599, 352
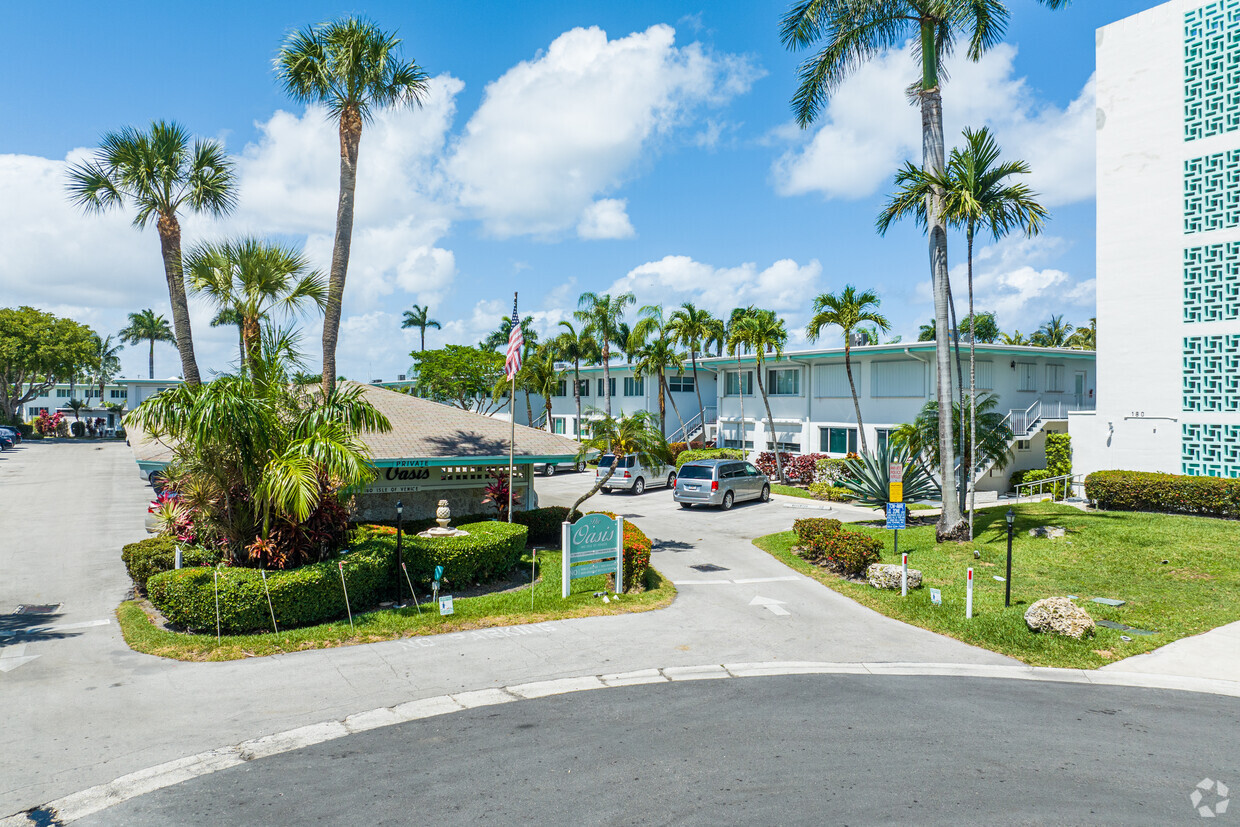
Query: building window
884, 437
784, 382
1054, 378
634, 386
558, 424
732, 386
1022, 444
831, 381
680, 384
791, 447
897, 379
736, 443
1026, 376
62, 393
611, 386
583, 387
837, 440
561, 388
121, 394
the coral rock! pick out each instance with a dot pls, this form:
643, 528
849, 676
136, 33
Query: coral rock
887, 576
1060, 616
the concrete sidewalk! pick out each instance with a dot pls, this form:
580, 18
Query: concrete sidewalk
1214, 654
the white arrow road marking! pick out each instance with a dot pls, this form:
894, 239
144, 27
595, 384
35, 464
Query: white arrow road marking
64, 627
14, 657
773, 606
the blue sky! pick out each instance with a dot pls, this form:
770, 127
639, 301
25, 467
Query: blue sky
564, 147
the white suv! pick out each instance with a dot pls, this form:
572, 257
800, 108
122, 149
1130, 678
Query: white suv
630, 475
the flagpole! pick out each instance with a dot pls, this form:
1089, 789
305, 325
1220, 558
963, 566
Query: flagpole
512, 410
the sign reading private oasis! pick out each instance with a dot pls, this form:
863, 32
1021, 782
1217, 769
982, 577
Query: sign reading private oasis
592, 545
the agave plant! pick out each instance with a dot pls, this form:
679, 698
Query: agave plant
870, 479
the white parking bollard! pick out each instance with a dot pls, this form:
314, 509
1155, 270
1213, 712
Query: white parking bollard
968, 596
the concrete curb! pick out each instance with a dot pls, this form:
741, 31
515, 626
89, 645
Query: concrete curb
78, 805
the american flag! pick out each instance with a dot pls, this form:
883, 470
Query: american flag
512, 361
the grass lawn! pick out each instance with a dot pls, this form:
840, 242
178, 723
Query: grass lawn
502, 609
1105, 554
791, 491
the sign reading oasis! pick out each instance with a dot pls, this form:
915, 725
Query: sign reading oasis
592, 545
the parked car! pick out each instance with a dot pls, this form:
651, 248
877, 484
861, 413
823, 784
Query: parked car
631, 475
720, 482
8, 438
548, 469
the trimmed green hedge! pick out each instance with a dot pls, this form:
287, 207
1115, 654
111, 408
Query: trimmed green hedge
708, 453
1169, 493
831, 493
491, 549
300, 597
154, 555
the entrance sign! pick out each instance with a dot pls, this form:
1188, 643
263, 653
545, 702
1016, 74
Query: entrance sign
592, 545
895, 492
897, 516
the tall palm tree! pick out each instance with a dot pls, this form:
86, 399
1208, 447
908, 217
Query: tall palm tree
543, 378
846, 310
767, 335
105, 362
654, 351
856, 31
145, 326
255, 278
1013, 338
634, 436
229, 316
977, 196
418, 317
693, 328
157, 173
736, 347
352, 67
579, 347
602, 316
498, 337
1054, 333
1085, 338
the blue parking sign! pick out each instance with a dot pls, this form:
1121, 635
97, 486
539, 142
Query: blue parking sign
896, 514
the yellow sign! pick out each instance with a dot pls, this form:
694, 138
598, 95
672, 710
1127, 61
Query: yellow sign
895, 492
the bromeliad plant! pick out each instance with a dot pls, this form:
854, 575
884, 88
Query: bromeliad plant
869, 479
497, 494
260, 457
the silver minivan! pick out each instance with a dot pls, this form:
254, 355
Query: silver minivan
631, 475
720, 482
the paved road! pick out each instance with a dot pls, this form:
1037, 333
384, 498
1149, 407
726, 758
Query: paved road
790, 750
88, 709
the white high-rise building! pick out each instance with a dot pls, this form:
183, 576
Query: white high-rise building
1168, 244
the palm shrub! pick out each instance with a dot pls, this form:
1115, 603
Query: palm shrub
993, 434
259, 458
870, 480
635, 435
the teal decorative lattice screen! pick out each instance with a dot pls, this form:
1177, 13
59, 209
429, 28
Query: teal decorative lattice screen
1212, 192
1212, 373
1211, 70
1212, 283
1211, 450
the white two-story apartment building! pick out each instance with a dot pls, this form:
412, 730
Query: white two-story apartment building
126, 393
812, 404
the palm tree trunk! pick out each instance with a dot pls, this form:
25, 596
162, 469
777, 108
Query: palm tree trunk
607, 380
598, 486
241, 357
151, 360
250, 343
676, 411
853, 387
662, 404
577, 393
529, 409
972, 387
740, 390
698, 388
779, 465
933, 152
422, 329
170, 247
548, 423
965, 459
350, 138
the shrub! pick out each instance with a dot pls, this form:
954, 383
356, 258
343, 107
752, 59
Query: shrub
299, 597
25, 429
78, 429
677, 448
801, 469
1031, 475
543, 523
828, 543
708, 453
637, 548
1170, 493
830, 493
154, 555
832, 470
491, 549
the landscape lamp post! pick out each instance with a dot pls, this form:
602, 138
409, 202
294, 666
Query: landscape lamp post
400, 562
1007, 584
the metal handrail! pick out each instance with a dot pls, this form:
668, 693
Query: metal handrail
1070, 481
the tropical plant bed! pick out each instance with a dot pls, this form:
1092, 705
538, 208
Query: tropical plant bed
1104, 554
504, 607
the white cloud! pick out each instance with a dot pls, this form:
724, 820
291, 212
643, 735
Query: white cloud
784, 286
556, 131
869, 129
1007, 281
606, 218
